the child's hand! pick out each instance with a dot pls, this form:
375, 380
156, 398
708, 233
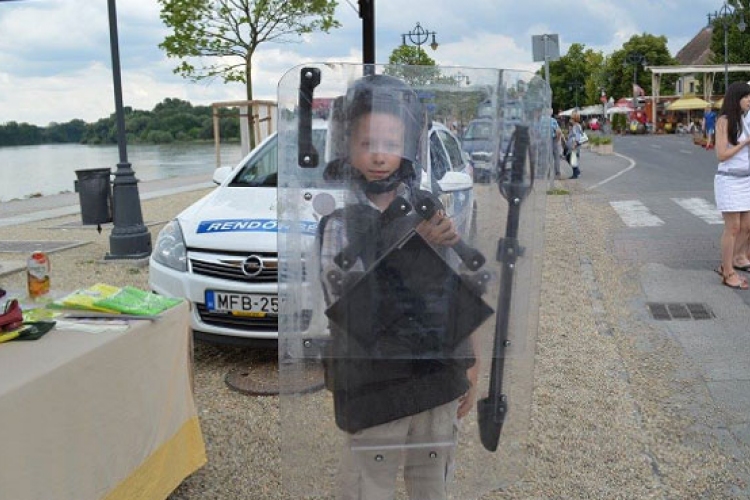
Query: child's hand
466, 402
439, 230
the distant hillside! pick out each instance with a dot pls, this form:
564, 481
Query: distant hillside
171, 120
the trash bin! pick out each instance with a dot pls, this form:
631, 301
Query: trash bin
95, 194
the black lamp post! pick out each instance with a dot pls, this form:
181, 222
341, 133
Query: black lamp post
419, 36
636, 59
129, 238
367, 14
573, 86
726, 13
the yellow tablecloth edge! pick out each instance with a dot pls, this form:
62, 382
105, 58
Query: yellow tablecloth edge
167, 467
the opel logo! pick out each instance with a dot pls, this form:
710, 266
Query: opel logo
252, 266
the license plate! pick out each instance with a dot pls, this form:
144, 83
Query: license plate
249, 304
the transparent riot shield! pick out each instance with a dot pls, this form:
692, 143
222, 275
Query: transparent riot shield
410, 264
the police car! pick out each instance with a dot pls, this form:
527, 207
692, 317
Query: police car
221, 252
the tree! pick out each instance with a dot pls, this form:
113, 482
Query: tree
226, 33
624, 65
738, 52
573, 75
410, 55
402, 64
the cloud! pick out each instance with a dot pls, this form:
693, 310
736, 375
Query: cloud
55, 61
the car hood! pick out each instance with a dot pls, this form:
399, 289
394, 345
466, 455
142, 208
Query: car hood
237, 219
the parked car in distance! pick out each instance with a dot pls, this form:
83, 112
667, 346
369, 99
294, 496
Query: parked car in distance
478, 142
221, 252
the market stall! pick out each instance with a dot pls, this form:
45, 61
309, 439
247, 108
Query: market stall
99, 412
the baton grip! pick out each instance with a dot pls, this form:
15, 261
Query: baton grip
427, 206
308, 156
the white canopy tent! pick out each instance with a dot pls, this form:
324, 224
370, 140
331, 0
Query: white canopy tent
595, 109
619, 109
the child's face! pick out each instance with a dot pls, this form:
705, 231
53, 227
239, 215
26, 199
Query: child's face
376, 145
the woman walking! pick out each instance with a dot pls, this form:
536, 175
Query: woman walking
574, 144
732, 183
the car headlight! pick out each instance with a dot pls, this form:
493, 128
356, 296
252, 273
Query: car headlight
170, 247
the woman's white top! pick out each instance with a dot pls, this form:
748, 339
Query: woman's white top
732, 180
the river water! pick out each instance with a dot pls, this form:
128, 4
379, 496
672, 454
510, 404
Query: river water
27, 171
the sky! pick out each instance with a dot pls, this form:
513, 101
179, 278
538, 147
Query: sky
55, 59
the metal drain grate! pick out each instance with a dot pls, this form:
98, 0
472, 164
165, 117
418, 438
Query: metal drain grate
666, 311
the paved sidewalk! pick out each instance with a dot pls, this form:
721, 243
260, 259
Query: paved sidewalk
18, 212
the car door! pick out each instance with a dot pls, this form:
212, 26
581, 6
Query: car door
441, 141
459, 160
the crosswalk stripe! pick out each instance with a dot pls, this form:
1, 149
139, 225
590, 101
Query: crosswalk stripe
701, 208
635, 214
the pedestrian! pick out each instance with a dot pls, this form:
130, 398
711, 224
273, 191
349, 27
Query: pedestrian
575, 135
708, 126
400, 402
556, 145
732, 184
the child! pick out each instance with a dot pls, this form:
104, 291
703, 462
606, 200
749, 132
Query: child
390, 404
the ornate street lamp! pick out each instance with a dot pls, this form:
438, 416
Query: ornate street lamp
726, 14
636, 59
419, 36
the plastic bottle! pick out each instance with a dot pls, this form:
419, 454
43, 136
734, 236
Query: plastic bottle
37, 272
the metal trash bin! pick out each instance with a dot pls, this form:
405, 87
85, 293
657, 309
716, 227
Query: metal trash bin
95, 194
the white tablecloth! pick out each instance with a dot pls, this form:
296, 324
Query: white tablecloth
99, 415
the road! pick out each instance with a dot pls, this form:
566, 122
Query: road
665, 200
668, 236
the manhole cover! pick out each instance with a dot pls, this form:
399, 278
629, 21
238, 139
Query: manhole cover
263, 379
666, 311
28, 246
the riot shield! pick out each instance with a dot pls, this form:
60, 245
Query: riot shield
410, 268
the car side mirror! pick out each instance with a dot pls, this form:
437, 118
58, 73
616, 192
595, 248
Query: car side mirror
455, 181
220, 174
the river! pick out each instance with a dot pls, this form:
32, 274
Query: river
27, 171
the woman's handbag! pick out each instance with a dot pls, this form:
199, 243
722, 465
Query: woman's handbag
584, 138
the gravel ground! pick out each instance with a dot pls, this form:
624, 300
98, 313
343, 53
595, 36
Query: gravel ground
613, 410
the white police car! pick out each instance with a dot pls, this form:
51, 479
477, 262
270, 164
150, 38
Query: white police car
221, 252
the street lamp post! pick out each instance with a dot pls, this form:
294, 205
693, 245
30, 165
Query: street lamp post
726, 13
130, 238
419, 36
574, 86
636, 59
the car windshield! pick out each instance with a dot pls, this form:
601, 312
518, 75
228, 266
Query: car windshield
478, 131
261, 169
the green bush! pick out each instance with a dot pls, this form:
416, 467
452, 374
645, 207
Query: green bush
619, 122
598, 140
